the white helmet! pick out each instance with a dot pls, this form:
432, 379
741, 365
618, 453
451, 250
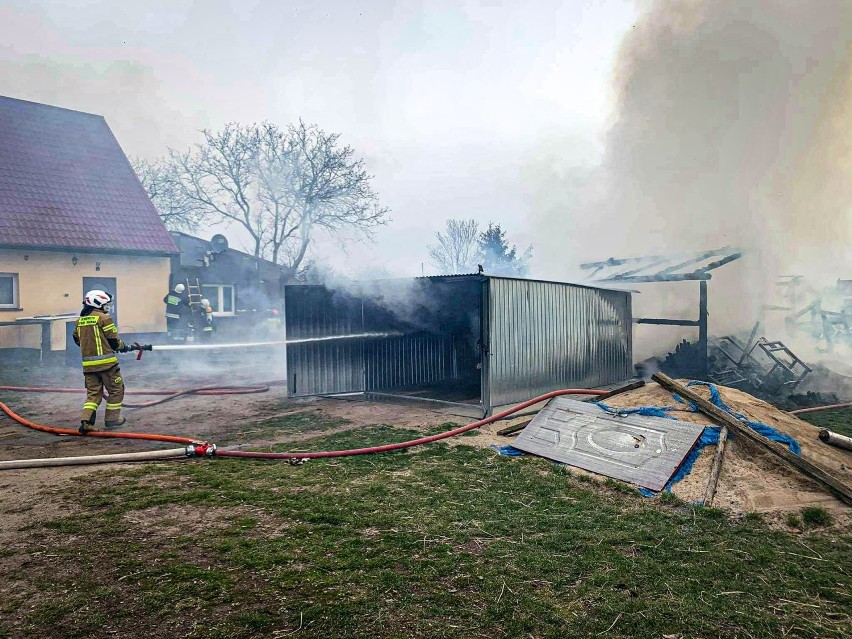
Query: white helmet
205, 302
97, 299
179, 288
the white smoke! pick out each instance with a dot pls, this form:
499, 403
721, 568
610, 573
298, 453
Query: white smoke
733, 126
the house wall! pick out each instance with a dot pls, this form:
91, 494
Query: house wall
256, 282
49, 284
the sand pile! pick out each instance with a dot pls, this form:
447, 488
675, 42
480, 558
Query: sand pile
751, 479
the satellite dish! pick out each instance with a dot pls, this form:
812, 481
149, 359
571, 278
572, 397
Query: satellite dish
218, 243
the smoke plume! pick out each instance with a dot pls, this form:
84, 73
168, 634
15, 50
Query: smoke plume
733, 125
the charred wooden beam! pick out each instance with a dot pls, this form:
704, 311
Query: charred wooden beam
634, 271
514, 428
619, 262
725, 260
671, 277
695, 259
713, 482
667, 322
639, 383
702, 327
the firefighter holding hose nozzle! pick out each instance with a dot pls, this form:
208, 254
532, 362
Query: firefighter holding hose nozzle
98, 339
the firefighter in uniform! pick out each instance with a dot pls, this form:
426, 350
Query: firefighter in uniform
206, 320
177, 308
98, 339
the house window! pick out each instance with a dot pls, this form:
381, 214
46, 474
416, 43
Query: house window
8, 290
221, 297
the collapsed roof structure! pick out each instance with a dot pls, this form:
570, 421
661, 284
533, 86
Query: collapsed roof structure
669, 268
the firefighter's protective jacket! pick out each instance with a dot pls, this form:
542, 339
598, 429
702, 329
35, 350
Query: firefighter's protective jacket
176, 304
98, 339
208, 319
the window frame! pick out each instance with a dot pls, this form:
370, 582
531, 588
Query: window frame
16, 298
220, 298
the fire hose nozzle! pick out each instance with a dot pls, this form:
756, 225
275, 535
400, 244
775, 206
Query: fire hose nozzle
136, 346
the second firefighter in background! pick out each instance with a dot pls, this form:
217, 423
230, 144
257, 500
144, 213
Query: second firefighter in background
177, 312
204, 320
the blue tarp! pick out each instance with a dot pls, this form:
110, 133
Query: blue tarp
710, 436
508, 450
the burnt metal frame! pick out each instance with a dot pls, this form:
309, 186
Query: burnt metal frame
747, 362
771, 348
671, 273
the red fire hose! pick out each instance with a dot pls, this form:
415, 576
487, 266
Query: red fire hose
195, 447
201, 390
413, 442
95, 433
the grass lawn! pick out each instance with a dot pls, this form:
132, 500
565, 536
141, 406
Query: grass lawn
838, 420
443, 541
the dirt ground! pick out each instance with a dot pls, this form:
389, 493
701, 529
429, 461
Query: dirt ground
750, 480
229, 418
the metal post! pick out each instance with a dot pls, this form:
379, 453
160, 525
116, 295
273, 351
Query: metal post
702, 326
45, 340
484, 342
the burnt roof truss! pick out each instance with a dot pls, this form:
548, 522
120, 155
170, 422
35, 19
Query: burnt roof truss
662, 268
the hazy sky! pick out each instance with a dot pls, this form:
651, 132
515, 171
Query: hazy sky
459, 107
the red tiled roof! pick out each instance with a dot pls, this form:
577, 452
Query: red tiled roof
65, 183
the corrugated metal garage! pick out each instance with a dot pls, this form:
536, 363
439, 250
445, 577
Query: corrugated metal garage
476, 340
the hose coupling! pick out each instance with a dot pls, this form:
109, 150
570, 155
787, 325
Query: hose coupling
201, 450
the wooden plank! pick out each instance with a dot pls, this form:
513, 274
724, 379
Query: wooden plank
694, 259
718, 263
667, 322
710, 493
514, 428
826, 481
702, 327
673, 277
639, 383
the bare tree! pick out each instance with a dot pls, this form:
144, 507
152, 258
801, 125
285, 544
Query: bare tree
310, 183
456, 249
219, 176
281, 186
176, 210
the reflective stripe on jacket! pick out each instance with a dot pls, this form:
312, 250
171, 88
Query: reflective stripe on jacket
92, 333
176, 305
